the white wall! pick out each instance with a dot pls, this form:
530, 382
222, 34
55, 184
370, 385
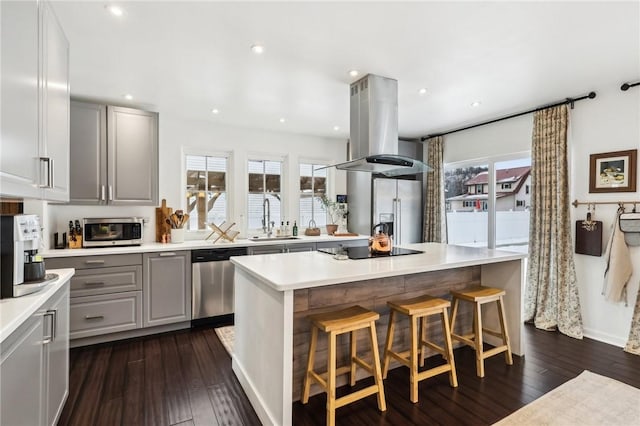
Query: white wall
178, 136
610, 122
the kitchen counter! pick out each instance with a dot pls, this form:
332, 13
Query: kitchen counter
14, 312
275, 294
189, 245
314, 269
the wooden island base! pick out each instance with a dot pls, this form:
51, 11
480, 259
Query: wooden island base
372, 294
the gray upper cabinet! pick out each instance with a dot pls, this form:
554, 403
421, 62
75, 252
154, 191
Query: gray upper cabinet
34, 136
114, 155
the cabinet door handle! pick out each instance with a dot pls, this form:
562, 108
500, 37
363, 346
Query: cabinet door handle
110, 193
94, 262
167, 254
54, 324
93, 317
94, 283
102, 193
49, 338
49, 162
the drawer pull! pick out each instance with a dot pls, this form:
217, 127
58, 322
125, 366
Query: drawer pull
94, 262
94, 283
167, 254
94, 317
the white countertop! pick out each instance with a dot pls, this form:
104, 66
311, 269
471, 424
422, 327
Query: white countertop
188, 245
14, 312
294, 271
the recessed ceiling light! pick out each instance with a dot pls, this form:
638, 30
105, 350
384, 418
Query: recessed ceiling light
353, 73
128, 97
215, 111
257, 49
115, 10
475, 104
282, 120
336, 128
422, 91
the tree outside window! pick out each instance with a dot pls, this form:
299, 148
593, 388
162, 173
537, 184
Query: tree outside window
206, 190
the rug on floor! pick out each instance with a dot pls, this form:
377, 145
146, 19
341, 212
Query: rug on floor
227, 337
589, 399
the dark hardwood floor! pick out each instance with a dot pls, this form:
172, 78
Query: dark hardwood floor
185, 378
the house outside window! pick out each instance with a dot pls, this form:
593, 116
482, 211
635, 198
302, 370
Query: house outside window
206, 190
313, 185
265, 183
506, 186
479, 189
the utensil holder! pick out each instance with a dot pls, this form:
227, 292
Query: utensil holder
177, 235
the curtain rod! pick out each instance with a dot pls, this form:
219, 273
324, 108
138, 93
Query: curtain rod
577, 203
627, 86
570, 101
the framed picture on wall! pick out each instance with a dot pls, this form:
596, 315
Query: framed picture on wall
613, 171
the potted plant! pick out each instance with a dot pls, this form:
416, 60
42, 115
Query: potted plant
335, 211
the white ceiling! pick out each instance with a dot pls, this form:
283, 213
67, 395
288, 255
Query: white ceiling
186, 58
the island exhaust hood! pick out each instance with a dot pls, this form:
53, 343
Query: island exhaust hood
374, 130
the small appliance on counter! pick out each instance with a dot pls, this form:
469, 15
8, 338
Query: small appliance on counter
103, 232
22, 270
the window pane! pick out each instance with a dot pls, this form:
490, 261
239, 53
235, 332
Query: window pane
466, 201
513, 202
206, 183
264, 184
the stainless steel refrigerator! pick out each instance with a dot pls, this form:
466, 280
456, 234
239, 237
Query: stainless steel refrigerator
398, 202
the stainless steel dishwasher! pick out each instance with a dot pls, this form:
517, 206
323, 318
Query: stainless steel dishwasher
212, 285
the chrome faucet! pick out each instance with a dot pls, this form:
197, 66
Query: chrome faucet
267, 224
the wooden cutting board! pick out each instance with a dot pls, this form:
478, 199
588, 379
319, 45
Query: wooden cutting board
162, 227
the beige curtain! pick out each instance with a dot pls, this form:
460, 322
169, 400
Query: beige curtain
435, 228
551, 297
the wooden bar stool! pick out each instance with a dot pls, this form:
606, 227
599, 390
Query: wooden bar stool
479, 295
347, 320
420, 308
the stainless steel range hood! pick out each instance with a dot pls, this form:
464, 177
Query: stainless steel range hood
374, 130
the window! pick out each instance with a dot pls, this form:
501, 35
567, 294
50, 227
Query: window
264, 184
206, 190
488, 219
526, 189
313, 185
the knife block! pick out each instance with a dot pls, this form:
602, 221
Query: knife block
77, 243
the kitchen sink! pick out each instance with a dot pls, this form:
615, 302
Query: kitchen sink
272, 238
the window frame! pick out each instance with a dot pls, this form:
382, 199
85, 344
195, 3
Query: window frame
490, 162
229, 185
284, 184
316, 163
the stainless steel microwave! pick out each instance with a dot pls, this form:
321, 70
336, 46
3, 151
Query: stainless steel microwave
122, 231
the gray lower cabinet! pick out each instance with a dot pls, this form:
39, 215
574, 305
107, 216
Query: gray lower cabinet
114, 155
300, 247
35, 366
270, 249
106, 293
166, 288
342, 243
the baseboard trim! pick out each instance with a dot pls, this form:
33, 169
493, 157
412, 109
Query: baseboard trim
604, 337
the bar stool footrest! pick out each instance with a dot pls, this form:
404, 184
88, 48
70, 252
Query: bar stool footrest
433, 371
494, 351
355, 396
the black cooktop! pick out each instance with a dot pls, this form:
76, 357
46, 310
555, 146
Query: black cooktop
364, 253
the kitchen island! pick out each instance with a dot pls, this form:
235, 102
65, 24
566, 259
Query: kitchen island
275, 293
